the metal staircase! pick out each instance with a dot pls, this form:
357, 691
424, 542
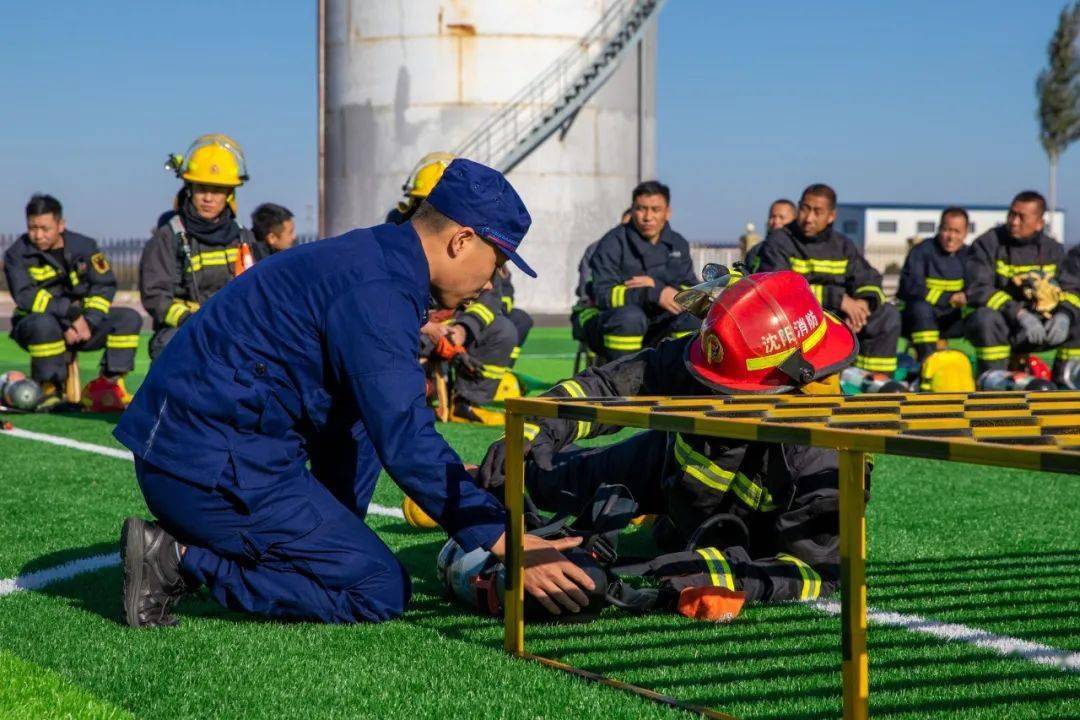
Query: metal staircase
555, 95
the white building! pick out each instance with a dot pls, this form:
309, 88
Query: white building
882, 230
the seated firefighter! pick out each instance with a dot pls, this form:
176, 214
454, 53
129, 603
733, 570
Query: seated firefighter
63, 287
758, 520
480, 341
840, 277
634, 274
1012, 278
932, 285
200, 247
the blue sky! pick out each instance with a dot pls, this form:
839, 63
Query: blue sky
901, 101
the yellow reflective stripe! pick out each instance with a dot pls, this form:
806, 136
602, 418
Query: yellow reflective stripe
719, 570
96, 302
932, 296
819, 266
700, 467
925, 336
573, 389
998, 299
623, 342
876, 364
753, 495
176, 313
993, 352
681, 333
531, 431
41, 301
775, 359
819, 292
213, 258
811, 581
49, 349
481, 311
872, 289
507, 303
587, 314
618, 296
40, 273
945, 285
1071, 298
515, 353
1009, 271
122, 342
74, 278
493, 372
1068, 353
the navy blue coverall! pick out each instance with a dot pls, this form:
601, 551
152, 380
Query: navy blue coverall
309, 357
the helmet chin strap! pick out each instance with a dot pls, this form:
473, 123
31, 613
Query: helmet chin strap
797, 368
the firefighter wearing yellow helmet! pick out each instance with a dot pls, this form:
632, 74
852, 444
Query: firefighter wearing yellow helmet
418, 185
200, 245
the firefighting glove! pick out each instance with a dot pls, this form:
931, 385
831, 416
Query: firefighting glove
1057, 329
492, 473
467, 365
1034, 332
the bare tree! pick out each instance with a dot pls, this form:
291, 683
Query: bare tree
1058, 89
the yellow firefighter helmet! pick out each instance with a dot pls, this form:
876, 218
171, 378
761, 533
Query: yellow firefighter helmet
213, 159
947, 371
426, 174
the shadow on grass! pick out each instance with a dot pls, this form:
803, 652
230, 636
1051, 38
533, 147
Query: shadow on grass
772, 658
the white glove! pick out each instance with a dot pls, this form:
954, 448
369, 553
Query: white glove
1033, 328
1057, 328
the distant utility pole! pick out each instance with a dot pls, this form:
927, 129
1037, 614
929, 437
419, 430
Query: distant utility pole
1058, 89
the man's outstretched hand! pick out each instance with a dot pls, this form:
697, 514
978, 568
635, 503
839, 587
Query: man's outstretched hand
548, 576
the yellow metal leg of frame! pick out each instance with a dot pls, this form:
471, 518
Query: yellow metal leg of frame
853, 584
514, 599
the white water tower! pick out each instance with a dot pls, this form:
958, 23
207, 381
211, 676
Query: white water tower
403, 78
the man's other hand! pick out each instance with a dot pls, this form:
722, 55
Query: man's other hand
958, 299
549, 577
79, 332
639, 281
856, 312
434, 330
667, 300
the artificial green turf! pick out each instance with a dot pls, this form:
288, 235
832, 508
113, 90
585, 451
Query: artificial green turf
990, 548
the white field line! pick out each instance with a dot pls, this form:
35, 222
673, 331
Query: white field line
124, 454
952, 632
1001, 644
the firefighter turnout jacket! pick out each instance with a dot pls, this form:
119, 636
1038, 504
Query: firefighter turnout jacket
997, 257
784, 497
179, 272
932, 275
623, 253
83, 285
830, 262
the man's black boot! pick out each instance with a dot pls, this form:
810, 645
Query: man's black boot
153, 580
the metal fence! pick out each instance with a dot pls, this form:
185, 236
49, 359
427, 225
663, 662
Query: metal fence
123, 254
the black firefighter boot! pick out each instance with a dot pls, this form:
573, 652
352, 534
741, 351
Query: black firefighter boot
153, 579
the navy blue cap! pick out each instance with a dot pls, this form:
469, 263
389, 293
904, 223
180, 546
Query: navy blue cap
474, 195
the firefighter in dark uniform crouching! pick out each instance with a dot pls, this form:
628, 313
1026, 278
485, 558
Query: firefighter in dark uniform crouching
202, 246
63, 289
766, 515
1012, 277
636, 271
839, 275
932, 285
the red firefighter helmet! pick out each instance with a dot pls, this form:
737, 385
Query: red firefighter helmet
767, 333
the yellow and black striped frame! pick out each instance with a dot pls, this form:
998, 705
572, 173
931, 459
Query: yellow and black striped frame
1031, 431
